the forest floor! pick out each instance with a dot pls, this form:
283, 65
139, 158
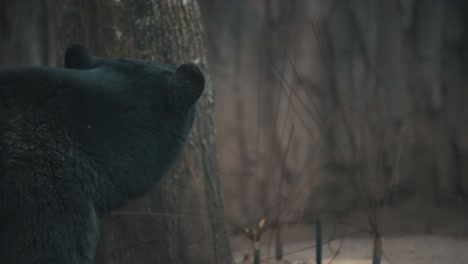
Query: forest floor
415, 234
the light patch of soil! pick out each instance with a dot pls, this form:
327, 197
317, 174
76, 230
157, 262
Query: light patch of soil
414, 233
401, 250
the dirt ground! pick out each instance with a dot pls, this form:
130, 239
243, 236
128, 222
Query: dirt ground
413, 249
415, 234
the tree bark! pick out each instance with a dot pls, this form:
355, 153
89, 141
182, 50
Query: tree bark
180, 221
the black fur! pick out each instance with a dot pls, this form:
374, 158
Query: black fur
78, 142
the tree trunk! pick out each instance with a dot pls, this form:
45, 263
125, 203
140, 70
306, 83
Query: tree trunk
26, 32
398, 65
180, 221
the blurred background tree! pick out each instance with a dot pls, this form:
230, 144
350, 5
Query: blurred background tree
398, 68
27, 33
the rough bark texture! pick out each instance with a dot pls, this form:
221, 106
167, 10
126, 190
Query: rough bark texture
180, 221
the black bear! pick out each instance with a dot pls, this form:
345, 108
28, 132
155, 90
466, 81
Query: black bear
79, 141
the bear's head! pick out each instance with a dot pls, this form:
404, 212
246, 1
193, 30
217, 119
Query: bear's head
110, 90
132, 116
181, 87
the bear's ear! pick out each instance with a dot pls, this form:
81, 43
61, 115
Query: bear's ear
187, 84
78, 56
